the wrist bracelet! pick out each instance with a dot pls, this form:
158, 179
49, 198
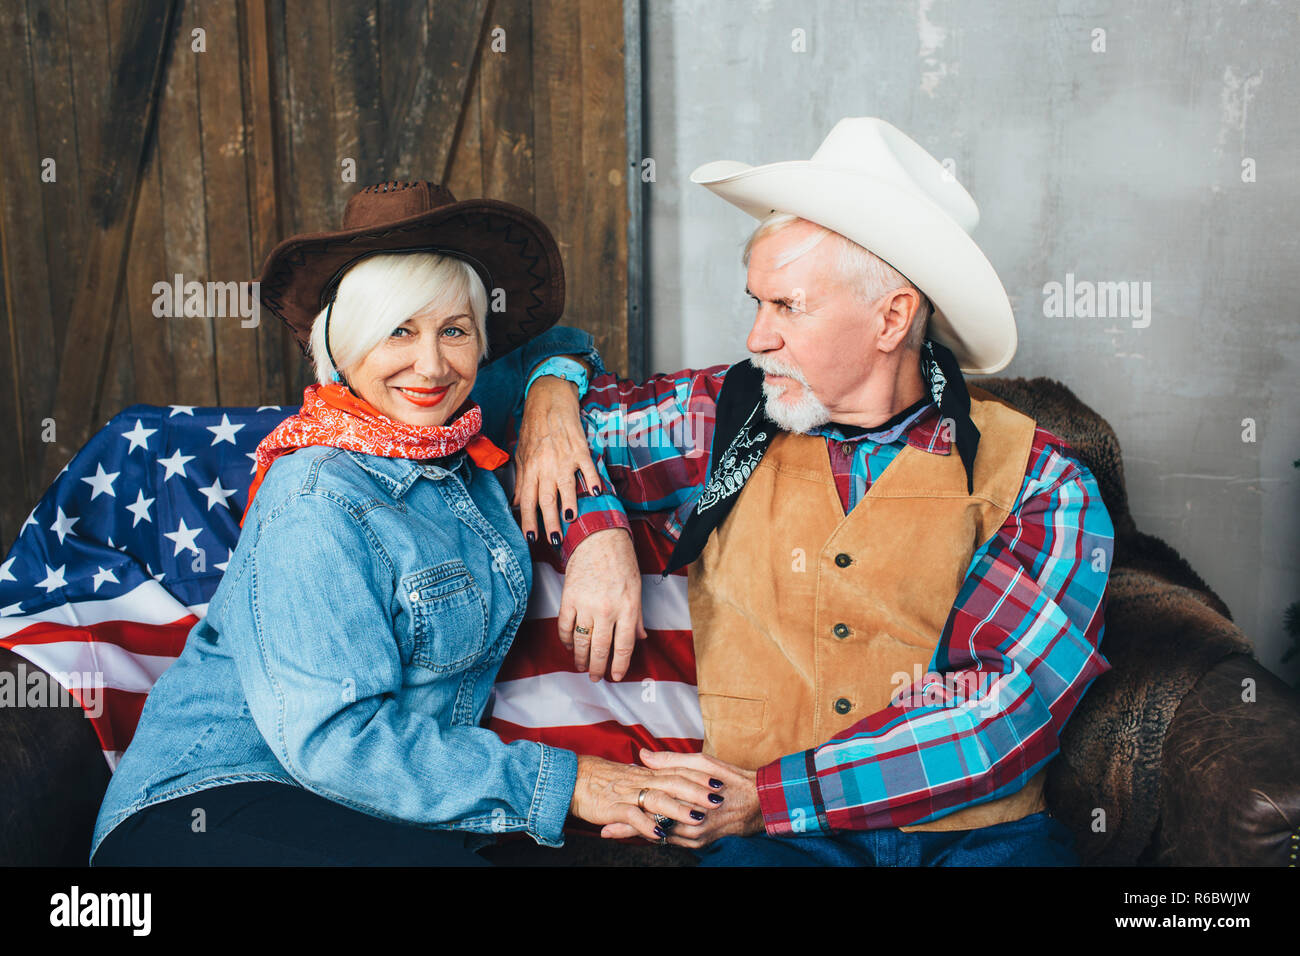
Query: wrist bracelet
561, 367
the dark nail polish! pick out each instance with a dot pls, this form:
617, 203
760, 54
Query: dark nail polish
715, 784
568, 514
714, 798
659, 832
595, 490
531, 537
697, 815
555, 539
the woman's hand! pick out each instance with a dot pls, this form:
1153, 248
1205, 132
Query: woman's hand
602, 593
552, 448
736, 813
607, 793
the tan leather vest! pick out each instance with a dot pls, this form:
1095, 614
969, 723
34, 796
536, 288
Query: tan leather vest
804, 617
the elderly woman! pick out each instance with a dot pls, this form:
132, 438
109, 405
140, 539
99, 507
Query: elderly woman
327, 708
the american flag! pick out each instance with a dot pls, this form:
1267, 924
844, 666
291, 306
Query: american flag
122, 554
539, 696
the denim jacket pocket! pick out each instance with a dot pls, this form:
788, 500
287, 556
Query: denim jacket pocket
449, 617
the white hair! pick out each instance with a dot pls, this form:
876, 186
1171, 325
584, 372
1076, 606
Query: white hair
381, 292
858, 267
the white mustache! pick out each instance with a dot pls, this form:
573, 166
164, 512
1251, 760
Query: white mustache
776, 367
804, 414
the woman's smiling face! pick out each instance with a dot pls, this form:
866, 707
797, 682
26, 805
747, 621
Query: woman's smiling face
424, 370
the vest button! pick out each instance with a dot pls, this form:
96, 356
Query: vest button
843, 706
843, 560
841, 631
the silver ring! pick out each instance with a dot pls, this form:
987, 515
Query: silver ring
582, 630
666, 823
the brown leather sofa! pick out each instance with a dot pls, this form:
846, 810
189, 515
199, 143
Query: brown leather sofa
1186, 753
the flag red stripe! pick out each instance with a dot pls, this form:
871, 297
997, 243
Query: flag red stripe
115, 726
162, 640
608, 739
663, 655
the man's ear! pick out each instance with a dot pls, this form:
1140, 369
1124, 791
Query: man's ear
893, 317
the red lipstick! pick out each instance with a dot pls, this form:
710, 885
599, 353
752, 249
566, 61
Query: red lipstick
432, 396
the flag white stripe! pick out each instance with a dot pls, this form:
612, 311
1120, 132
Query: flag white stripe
664, 605
149, 603
571, 700
106, 664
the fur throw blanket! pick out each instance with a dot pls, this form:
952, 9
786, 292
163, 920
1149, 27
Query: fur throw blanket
1164, 629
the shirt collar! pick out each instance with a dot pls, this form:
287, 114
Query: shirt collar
921, 430
398, 474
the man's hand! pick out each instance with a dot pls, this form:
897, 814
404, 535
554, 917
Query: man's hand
737, 814
602, 592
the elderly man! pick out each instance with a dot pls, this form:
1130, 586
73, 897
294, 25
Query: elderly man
896, 584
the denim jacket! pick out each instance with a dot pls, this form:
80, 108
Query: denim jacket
352, 644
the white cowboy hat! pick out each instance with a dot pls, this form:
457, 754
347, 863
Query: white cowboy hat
874, 184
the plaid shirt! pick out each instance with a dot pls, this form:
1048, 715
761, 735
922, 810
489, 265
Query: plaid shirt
1027, 622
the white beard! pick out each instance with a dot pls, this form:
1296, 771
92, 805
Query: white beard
801, 415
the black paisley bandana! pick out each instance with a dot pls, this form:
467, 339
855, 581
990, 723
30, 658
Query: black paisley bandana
743, 431
948, 391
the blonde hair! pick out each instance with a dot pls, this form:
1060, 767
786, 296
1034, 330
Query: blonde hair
859, 268
381, 292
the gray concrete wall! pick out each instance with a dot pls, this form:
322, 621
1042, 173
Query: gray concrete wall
1122, 165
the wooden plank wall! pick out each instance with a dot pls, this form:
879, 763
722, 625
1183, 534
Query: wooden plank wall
520, 100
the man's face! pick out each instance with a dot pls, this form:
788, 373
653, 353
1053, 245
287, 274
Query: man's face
811, 332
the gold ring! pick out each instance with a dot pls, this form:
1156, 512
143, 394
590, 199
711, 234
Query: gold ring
640, 797
582, 630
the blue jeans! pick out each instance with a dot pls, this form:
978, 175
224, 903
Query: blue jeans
1036, 840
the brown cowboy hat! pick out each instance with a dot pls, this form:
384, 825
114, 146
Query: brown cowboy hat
509, 247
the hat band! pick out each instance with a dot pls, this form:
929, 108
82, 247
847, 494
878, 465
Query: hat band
330, 288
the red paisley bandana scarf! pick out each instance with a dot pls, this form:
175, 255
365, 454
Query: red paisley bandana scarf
332, 415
